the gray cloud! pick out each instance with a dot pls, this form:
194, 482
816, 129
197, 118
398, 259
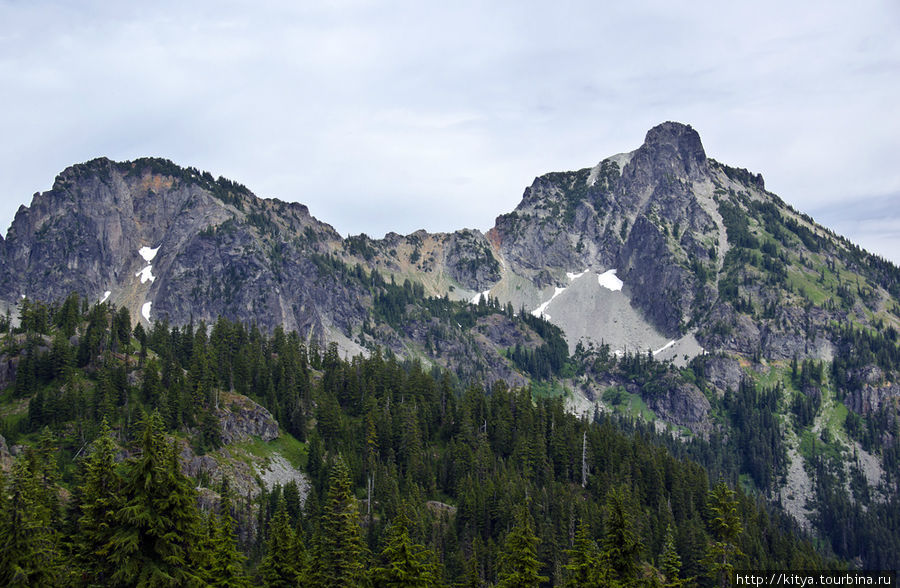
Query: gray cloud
403, 115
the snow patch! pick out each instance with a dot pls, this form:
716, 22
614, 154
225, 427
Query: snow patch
664, 347
539, 311
145, 310
147, 253
573, 276
477, 298
609, 280
105, 296
145, 274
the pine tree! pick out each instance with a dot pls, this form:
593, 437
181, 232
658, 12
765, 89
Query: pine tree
402, 563
340, 551
726, 527
99, 502
518, 562
283, 565
621, 544
225, 564
157, 524
29, 540
584, 567
472, 577
669, 561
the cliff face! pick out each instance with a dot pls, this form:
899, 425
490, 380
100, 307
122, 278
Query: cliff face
175, 244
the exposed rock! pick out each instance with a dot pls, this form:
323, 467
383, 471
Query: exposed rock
279, 471
723, 372
683, 404
441, 508
870, 391
240, 419
197, 466
221, 250
797, 493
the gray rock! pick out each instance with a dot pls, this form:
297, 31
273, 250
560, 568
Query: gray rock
723, 372
241, 419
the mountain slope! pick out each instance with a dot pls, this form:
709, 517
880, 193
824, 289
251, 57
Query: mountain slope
782, 335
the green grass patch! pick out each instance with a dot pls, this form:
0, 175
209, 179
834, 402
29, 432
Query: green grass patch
779, 371
547, 389
290, 448
812, 445
629, 404
808, 287
637, 407
836, 419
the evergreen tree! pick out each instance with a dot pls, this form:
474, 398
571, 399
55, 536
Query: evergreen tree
225, 564
669, 560
29, 540
584, 567
726, 527
283, 565
340, 551
472, 578
518, 562
157, 524
402, 563
622, 545
99, 502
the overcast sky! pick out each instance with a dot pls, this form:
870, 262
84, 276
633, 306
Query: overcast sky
404, 115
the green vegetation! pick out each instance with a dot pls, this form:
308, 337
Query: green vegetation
507, 466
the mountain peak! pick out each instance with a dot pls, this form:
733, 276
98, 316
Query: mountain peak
675, 142
674, 133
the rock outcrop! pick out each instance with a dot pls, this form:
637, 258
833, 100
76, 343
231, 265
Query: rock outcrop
241, 419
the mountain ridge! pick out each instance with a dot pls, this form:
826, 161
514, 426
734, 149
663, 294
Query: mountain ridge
654, 215
659, 283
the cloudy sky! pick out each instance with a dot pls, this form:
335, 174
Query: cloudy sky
396, 115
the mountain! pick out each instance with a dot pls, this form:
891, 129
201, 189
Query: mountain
658, 284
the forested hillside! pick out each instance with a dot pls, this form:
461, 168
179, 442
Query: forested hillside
412, 475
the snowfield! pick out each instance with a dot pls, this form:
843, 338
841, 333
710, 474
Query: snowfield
147, 253
610, 281
145, 274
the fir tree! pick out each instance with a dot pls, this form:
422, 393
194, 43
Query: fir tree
621, 544
225, 564
340, 551
99, 502
283, 564
583, 569
157, 524
726, 527
518, 561
403, 563
29, 541
669, 561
